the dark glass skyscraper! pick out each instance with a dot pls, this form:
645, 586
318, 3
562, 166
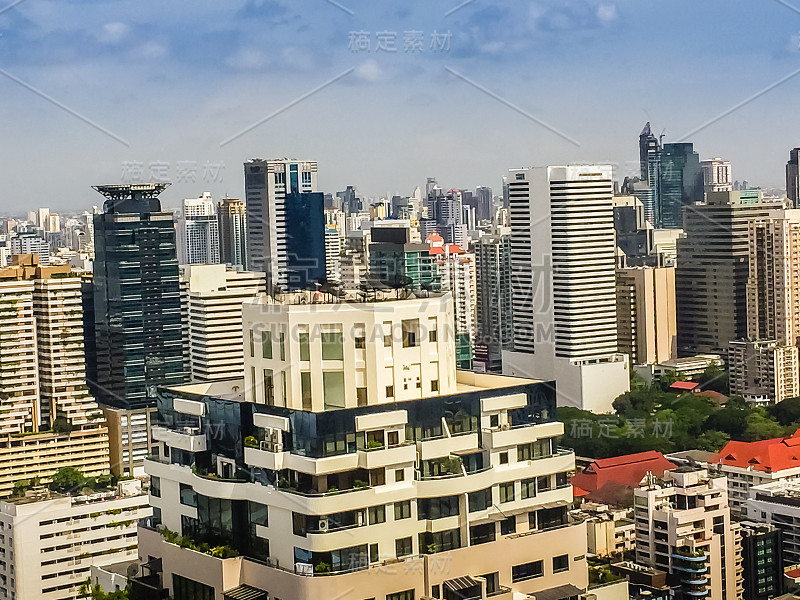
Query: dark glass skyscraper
793, 177
137, 310
681, 183
305, 239
650, 167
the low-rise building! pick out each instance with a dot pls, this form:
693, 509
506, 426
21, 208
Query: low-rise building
612, 480
49, 541
609, 531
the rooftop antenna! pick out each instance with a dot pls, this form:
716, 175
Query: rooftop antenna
661, 137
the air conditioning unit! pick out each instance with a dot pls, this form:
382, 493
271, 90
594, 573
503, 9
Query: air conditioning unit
191, 430
277, 447
323, 525
272, 561
505, 427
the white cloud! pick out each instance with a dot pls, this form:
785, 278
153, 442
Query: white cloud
607, 12
150, 50
113, 33
369, 70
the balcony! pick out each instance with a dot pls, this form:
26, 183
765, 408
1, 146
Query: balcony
264, 457
442, 447
189, 438
384, 457
502, 437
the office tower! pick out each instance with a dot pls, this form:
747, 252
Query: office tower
762, 567
648, 189
712, 270
232, 225
777, 504
43, 219
763, 371
50, 542
137, 310
29, 242
443, 215
368, 468
48, 419
717, 175
267, 182
563, 281
395, 261
646, 321
483, 204
681, 182
457, 273
198, 232
212, 298
333, 251
683, 526
749, 464
349, 201
495, 326
793, 178
305, 256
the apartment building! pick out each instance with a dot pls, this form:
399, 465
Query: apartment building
43, 377
49, 541
750, 464
778, 504
683, 526
211, 302
353, 456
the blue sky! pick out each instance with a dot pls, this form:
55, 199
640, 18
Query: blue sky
173, 80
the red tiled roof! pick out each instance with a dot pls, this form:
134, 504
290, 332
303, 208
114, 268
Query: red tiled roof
769, 456
792, 573
605, 478
684, 385
436, 250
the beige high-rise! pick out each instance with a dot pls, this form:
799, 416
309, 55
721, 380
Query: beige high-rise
646, 323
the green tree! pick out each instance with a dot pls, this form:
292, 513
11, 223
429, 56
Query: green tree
712, 441
668, 378
61, 425
714, 378
732, 420
761, 427
786, 412
67, 479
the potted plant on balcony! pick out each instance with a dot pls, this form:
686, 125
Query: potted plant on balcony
251, 442
374, 445
322, 568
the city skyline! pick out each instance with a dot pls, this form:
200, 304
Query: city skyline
492, 87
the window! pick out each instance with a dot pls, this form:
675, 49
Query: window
282, 346
561, 563
188, 496
188, 589
332, 347
266, 344
377, 514
480, 500
305, 349
305, 389
400, 475
504, 458
390, 391
506, 492
561, 480
528, 488
269, 388
155, 486
410, 333
406, 595
481, 534
402, 510
435, 385
437, 508
543, 483
527, 571
361, 396
374, 556
333, 388
432, 335
361, 343
494, 421
403, 546
509, 525
252, 343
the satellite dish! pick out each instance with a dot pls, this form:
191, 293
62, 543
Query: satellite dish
132, 570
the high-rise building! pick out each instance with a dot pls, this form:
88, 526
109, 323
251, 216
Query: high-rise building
793, 178
212, 298
137, 315
137, 297
777, 504
649, 188
762, 567
681, 182
198, 232
43, 392
717, 175
683, 526
232, 223
443, 215
305, 261
333, 251
495, 325
712, 270
563, 280
267, 182
374, 461
646, 321
29, 242
763, 371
